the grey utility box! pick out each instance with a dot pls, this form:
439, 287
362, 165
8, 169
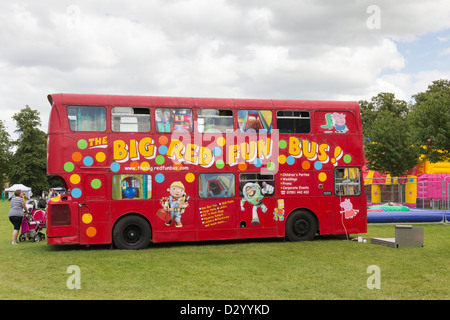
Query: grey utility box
406, 236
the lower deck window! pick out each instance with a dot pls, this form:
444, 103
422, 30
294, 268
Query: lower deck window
216, 185
256, 184
131, 186
347, 181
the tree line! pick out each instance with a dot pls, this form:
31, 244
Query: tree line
396, 135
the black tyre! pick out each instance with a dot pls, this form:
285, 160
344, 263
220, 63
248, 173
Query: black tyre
132, 233
22, 237
301, 226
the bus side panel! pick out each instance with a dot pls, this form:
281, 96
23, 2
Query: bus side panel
217, 218
258, 220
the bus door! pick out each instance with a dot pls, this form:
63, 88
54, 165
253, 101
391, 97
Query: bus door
175, 206
258, 206
349, 205
94, 212
217, 206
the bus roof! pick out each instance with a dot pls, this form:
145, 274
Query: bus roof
145, 101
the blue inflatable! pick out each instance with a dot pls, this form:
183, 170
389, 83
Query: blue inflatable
130, 192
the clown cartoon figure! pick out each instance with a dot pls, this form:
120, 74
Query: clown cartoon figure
254, 195
176, 203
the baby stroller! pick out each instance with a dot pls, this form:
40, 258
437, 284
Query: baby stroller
34, 221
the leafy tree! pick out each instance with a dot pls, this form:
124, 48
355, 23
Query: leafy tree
379, 104
389, 148
28, 164
5, 155
431, 121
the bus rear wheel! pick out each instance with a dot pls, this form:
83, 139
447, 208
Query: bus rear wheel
132, 233
301, 225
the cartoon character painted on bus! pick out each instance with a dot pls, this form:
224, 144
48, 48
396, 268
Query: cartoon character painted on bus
254, 195
175, 204
347, 209
336, 120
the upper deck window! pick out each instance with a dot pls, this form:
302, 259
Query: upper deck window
293, 121
128, 119
215, 120
83, 118
171, 119
258, 121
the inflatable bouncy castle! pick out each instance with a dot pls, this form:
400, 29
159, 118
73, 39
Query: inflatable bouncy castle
427, 185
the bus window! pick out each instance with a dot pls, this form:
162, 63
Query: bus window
215, 120
127, 119
347, 181
82, 118
131, 186
259, 121
171, 119
293, 121
216, 185
256, 181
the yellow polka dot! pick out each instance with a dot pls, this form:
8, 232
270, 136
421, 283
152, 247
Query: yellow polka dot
100, 156
322, 176
91, 232
221, 141
87, 218
145, 166
190, 177
75, 179
281, 159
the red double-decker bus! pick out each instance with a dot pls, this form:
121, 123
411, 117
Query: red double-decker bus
141, 169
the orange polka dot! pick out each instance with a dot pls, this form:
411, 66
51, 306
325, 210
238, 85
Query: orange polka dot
77, 156
242, 166
306, 165
134, 165
163, 140
91, 232
177, 166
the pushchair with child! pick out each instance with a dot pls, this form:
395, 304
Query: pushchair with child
33, 222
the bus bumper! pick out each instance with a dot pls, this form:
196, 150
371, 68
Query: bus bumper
63, 240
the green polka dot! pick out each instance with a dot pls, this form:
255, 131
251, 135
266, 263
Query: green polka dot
282, 144
347, 158
68, 166
159, 159
96, 183
220, 164
271, 166
82, 144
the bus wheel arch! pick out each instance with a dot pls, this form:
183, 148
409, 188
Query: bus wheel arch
131, 231
301, 225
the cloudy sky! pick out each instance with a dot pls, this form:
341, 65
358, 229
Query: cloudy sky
271, 49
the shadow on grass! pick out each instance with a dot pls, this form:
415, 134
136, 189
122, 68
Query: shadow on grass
165, 245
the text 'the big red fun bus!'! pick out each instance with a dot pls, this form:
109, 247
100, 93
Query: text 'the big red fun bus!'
141, 169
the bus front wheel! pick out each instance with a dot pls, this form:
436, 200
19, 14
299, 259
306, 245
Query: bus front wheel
301, 225
132, 233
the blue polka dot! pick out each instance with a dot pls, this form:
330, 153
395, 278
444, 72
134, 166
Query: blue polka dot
290, 160
217, 151
162, 149
115, 167
318, 165
76, 193
257, 162
88, 161
159, 178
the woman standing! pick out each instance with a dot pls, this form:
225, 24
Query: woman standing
16, 213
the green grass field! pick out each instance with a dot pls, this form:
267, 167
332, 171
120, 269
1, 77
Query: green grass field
326, 268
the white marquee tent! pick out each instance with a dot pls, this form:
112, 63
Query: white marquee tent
26, 190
